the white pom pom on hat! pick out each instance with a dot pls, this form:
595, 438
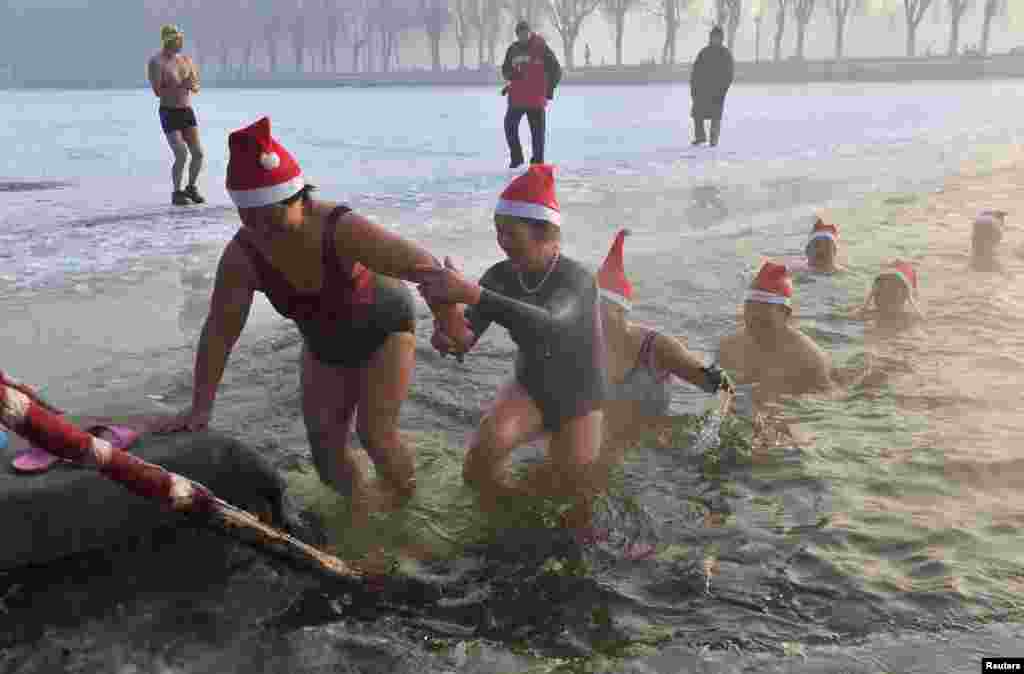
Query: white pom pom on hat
270, 160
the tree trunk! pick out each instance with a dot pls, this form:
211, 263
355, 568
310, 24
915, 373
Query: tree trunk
911, 38
481, 50
620, 30
954, 30
801, 33
986, 25
355, 55
839, 37
272, 54
780, 29
568, 44
247, 57
733, 28
435, 51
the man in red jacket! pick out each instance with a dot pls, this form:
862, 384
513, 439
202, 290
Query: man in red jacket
533, 72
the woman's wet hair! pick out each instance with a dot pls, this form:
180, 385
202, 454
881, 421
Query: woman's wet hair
305, 194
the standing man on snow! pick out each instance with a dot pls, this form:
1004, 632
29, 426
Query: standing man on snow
174, 78
533, 72
709, 82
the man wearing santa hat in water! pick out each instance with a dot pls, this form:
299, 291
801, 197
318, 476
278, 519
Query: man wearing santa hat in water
986, 237
549, 304
336, 274
892, 298
769, 350
822, 248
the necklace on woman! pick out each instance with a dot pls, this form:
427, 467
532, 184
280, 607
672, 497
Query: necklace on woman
551, 268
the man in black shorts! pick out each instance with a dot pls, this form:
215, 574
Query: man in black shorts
174, 78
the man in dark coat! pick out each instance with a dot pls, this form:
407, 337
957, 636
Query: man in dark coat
533, 72
709, 82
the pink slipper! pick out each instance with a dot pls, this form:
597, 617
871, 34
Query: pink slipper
34, 460
38, 460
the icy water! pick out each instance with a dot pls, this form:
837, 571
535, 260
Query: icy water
898, 507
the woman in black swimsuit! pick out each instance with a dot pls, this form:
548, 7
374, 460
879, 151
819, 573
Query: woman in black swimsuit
549, 304
336, 275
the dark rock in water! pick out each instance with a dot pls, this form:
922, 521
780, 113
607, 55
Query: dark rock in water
70, 509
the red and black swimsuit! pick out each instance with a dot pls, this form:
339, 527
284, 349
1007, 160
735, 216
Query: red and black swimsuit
355, 310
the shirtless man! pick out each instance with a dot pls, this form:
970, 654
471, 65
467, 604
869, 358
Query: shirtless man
769, 351
174, 78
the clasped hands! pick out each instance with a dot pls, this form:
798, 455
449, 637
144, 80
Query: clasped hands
446, 285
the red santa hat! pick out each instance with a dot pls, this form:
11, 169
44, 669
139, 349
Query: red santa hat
611, 277
904, 272
260, 171
822, 231
772, 285
532, 195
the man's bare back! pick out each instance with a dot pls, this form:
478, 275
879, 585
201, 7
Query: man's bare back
174, 78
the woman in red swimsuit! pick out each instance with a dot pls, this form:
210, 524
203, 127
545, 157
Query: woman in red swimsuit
336, 274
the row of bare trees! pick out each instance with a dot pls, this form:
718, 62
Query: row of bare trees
314, 32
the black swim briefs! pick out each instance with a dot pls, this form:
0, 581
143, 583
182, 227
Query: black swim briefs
177, 119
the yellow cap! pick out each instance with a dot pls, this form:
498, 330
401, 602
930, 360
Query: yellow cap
169, 32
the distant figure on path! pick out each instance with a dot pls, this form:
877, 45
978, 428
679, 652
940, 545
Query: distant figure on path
709, 82
174, 78
586, 55
533, 72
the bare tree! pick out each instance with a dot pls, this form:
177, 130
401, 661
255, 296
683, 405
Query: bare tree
435, 16
991, 9
672, 13
272, 30
531, 11
840, 12
914, 11
615, 12
727, 15
567, 17
957, 9
802, 11
493, 21
782, 8
464, 21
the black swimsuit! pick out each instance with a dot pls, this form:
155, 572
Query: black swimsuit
561, 361
355, 310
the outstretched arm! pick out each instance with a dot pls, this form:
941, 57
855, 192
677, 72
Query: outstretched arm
229, 311
155, 80
387, 253
672, 356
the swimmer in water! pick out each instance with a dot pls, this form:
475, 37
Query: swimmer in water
891, 301
822, 248
769, 351
549, 304
641, 360
986, 237
336, 274
174, 77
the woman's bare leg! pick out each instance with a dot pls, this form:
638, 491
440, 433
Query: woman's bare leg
385, 386
574, 450
512, 420
329, 399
